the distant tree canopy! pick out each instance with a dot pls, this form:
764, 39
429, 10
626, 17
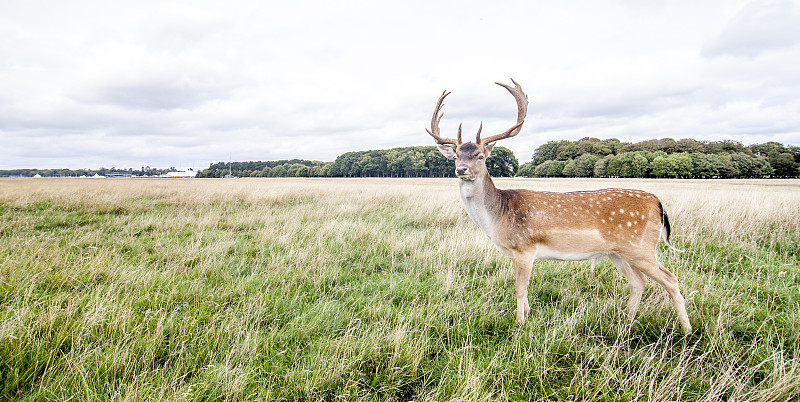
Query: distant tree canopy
281, 168
414, 162
686, 158
587, 157
502, 163
144, 171
396, 162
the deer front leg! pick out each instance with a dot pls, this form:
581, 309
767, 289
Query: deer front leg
523, 263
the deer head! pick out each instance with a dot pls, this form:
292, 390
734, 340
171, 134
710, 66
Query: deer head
471, 157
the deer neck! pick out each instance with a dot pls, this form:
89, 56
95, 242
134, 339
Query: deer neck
482, 202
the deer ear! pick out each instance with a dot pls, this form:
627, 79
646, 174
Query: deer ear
447, 151
488, 147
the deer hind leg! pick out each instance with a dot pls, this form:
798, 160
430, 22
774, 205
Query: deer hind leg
636, 282
652, 268
597, 261
523, 263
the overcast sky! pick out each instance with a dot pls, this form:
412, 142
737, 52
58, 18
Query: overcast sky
87, 84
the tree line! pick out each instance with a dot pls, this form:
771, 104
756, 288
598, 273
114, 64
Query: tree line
279, 168
144, 171
587, 157
419, 161
686, 158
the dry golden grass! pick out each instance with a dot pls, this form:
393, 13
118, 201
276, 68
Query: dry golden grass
725, 207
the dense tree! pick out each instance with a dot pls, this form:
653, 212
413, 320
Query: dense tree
686, 158
526, 170
663, 166
542, 169
768, 149
556, 169
784, 165
437, 165
279, 171
727, 170
263, 168
587, 145
651, 146
413, 162
595, 146
704, 166
601, 167
673, 165
502, 163
689, 145
545, 152
569, 168
725, 146
584, 165
566, 150
395, 162
628, 164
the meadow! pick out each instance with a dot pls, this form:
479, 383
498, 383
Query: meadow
379, 289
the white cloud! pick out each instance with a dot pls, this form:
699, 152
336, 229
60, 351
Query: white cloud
761, 26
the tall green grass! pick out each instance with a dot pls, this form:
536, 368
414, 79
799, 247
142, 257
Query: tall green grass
378, 290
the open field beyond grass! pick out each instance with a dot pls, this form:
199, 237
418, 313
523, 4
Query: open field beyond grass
373, 289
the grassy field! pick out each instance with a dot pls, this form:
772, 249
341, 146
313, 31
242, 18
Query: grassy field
370, 289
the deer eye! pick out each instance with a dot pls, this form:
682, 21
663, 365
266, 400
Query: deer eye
480, 157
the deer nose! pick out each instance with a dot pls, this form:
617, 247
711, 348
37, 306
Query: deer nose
461, 170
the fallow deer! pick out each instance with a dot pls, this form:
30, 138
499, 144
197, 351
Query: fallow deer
623, 225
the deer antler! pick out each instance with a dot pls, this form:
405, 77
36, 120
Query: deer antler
437, 117
522, 110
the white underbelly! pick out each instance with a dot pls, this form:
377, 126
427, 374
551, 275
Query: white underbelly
543, 253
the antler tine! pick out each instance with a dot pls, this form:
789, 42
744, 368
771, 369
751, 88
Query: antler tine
437, 117
522, 111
